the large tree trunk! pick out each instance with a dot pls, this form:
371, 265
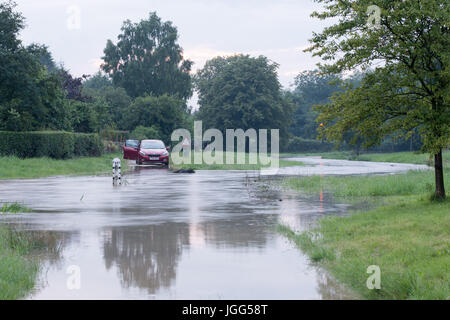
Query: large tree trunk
439, 176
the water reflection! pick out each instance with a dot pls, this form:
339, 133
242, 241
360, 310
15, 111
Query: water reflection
145, 257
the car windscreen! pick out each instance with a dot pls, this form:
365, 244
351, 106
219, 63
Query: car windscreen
152, 145
132, 143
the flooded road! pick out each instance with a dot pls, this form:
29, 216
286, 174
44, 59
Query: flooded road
209, 235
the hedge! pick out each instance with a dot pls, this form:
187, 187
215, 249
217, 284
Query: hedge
53, 144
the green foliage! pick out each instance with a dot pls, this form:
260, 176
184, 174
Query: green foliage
10, 23
242, 92
44, 56
235, 166
116, 101
87, 145
97, 81
13, 208
297, 144
411, 183
142, 133
407, 239
57, 145
30, 97
164, 114
114, 135
311, 88
409, 91
16, 168
17, 272
148, 60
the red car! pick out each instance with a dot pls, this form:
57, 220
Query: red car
146, 152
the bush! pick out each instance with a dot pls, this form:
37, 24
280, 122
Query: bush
111, 146
114, 135
142, 133
53, 144
297, 144
87, 145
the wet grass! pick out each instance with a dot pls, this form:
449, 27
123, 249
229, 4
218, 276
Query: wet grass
408, 240
16, 168
397, 157
407, 237
235, 166
13, 208
411, 183
18, 272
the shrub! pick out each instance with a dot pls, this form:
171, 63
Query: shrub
111, 146
114, 135
53, 144
142, 133
297, 144
87, 145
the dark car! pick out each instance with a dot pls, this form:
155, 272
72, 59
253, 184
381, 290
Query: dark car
146, 152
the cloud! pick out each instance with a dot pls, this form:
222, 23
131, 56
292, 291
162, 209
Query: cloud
200, 54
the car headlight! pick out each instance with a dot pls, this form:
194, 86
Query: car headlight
142, 154
165, 153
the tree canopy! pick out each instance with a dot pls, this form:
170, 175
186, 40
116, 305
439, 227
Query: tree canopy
311, 87
242, 92
163, 113
147, 59
30, 97
409, 88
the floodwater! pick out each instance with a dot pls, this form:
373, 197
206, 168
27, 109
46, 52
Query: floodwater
209, 235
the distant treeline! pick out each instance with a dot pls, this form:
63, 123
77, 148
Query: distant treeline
144, 87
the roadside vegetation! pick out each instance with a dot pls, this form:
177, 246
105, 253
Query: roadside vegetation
17, 270
407, 237
408, 240
16, 168
396, 157
224, 166
13, 208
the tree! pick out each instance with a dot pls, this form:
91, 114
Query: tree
148, 60
142, 133
163, 113
311, 88
42, 53
30, 97
11, 23
72, 86
408, 89
97, 81
242, 92
117, 101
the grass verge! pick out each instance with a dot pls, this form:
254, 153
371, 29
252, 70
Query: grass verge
411, 183
16, 168
13, 208
17, 271
408, 240
247, 165
398, 157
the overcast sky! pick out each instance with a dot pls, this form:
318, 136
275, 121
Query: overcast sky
278, 29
